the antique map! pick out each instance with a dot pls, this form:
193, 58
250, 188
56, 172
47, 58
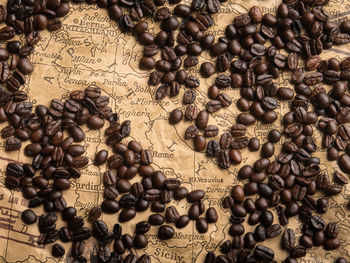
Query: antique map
90, 49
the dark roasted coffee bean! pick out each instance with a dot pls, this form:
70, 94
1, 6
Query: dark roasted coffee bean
94, 213
175, 116
171, 214
264, 253
29, 217
332, 230
101, 157
13, 144
165, 232
110, 206
78, 248
65, 234
207, 69
298, 251
213, 106
57, 250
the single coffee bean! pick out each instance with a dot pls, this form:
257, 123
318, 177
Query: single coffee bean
101, 157
29, 217
110, 206
165, 232
195, 196
201, 225
211, 215
94, 213
175, 116
207, 69
182, 221
58, 250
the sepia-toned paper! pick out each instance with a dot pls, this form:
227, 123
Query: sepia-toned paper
90, 49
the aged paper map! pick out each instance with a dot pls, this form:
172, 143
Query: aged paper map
90, 49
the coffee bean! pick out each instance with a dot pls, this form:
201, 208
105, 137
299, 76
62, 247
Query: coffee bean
246, 119
65, 234
211, 215
58, 250
101, 157
288, 239
171, 214
140, 241
175, 116
213, 148
165, 232
104, 253
254, 144
94, 213
78, 248
29, 217
13, 144
199, 143
267, 150
264, 253
211, 131
298, 251
201, 225
273, 231
332, 230
180, 193
156, 219
274, 136
195, 196
110, 206
255, 14
207, 69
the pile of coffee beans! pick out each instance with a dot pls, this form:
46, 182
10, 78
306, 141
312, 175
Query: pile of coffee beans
30, 17
57, 159
252, 50
255, 48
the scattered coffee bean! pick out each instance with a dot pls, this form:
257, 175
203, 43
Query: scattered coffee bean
58, 250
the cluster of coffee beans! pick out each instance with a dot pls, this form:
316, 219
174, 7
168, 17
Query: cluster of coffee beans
29, 17
59, 159
301, 29
290, 181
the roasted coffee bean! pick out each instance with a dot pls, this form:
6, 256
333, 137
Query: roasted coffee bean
65, 234
78, 248
213, 148
165, 232
298, 251
57, 250
94, 213
13, 144
213, 106
171, 214
264, 253
288, 239
246, 119
211, 215
332, 230
110, 206
201, 225
175, 116
156, 219
207, 69
29, 217
101, 157
273, 231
